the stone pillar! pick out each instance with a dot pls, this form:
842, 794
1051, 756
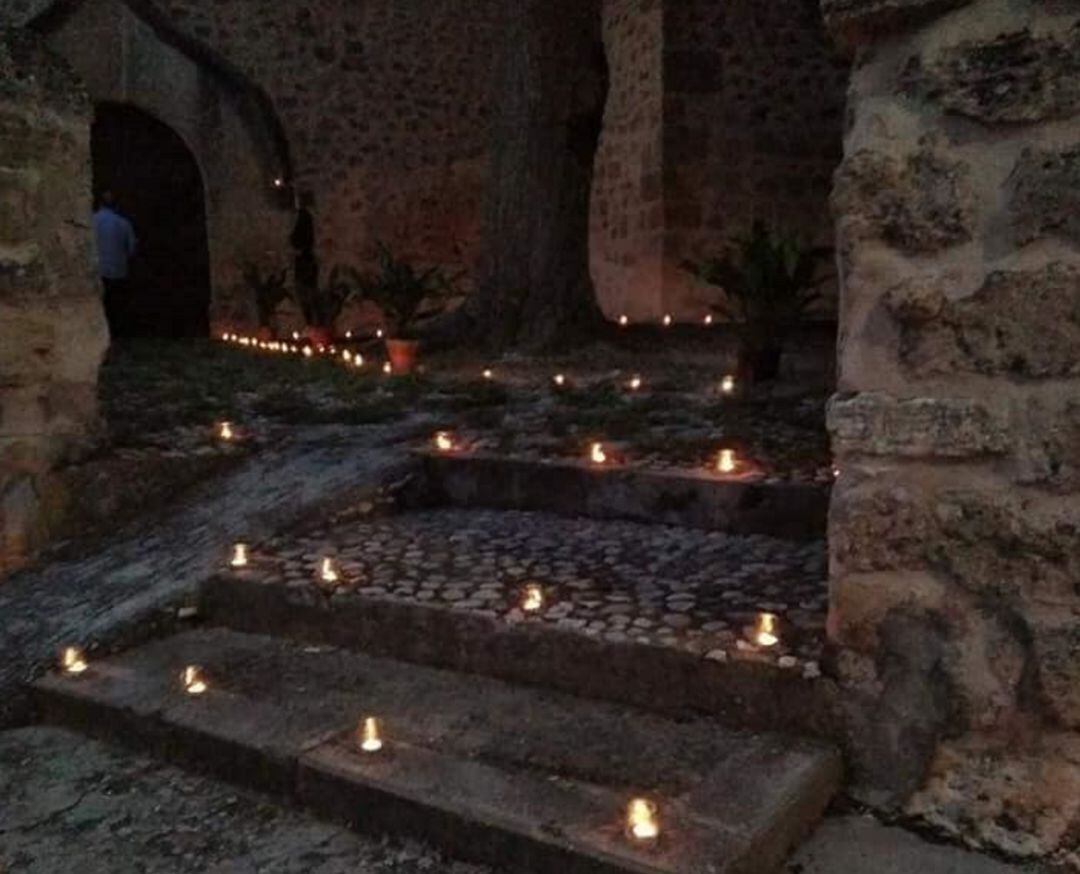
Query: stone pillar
52, 326
955, 524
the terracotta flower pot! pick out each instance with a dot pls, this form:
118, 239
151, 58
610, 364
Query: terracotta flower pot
318, 336
403, 354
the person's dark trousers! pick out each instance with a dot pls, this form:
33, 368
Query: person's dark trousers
117, 305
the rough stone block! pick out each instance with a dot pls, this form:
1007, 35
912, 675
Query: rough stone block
1056, 644
1018, 324
1046, 192
859, 20
921, 204
873, 423
1013, 78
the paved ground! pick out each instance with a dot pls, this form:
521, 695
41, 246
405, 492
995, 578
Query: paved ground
699, 591
127, 583
64, 798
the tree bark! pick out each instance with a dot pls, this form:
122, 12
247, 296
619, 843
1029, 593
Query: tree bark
535, 290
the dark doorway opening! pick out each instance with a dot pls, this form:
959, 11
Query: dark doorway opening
158, 186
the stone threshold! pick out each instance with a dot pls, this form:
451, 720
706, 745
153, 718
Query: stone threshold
527, 779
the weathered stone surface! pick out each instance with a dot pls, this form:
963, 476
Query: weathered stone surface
1013, 78
920, 204
1056, 647
1018, 324
1046, 192
1003, 549
860, 20
873, 423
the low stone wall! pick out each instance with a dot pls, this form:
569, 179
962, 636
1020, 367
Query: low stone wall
955, 525
52, 325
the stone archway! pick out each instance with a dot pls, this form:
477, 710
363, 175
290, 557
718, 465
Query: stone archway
158, 185
127, 53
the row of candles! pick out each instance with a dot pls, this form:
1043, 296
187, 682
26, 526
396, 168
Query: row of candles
642, 814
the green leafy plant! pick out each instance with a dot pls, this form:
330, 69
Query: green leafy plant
769, 282
270, 289
404, 293
323, 303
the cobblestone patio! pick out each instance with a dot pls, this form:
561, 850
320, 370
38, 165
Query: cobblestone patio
698, 591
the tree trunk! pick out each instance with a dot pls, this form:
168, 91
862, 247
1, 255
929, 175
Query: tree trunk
534, 288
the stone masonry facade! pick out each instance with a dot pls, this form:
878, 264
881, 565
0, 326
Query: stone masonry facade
720, 113
955, 525
52, 326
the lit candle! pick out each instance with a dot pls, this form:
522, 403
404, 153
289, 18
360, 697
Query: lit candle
836, 473
192, 680
533, 600
624, 321
358, 360
559, 380
296, 335
72, 661
225, 431
279, 182
368, 735
635, 383
388, 368
597, 454
766, 633
727, 384
308, 352
327, 572
444, 442
667, 321
346, 356
239, 556
708, 320
489, 374
379, 333
642, 822
726, 462
225, 338
348, 335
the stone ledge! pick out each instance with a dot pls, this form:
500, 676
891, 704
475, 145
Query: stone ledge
860, 21
873, 423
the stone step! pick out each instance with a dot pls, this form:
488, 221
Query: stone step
655, 617
526, 779
740, 505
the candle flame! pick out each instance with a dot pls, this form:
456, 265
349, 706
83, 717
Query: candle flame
239, 556
641, 820
533, 600
368, 735
73, 661
444, 442
489, 374
624, 321
225, 431
346, 356
766, 632
358, 360
379, 333
192, 680
388, 368
327, 572
726, 462
308, 351
727, 384
559, 380
597, 454
667, 321
708, 320
635, 383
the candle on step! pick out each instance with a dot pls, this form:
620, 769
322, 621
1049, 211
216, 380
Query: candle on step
192, 680
559, 379
239, 556
668, 320
708, 320
444, 441
327, 572
766, 630
225, 431
624, 321
635, 383
726, 463
597, 454
533, 600
369, 736
642, 820
72, 661
727, 384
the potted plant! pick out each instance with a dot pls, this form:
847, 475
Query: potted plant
270, 289
405, 295
321, 303
769, 282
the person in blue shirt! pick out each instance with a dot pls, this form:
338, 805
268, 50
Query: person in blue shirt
116, 244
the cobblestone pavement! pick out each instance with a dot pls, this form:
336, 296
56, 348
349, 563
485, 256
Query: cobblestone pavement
700, 591
70, 804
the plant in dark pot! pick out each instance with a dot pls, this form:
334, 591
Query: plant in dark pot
769, 282
406, 295
270, 289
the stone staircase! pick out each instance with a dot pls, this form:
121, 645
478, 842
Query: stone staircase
511, 736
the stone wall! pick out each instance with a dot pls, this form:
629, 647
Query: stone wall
753, 116
955, 526
628, 207
52, 326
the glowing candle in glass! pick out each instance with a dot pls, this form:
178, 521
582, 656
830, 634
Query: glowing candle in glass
192, 680
239, 556
642, 820
73, 661
726, 462
766, 630
368, 735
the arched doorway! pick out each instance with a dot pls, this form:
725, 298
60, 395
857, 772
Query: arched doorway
159, 187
